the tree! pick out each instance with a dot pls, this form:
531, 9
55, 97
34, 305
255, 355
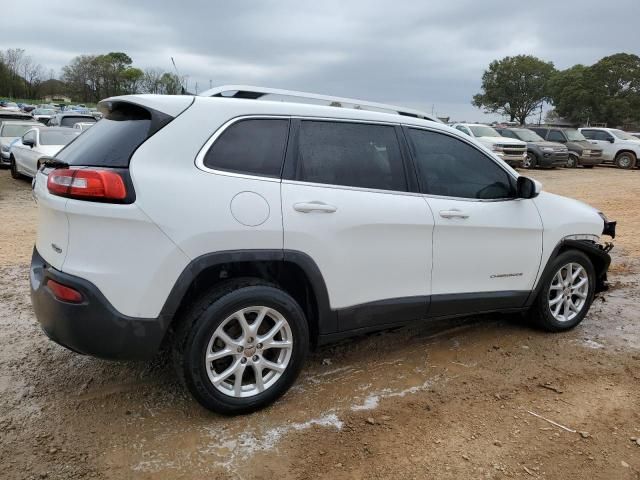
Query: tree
170, 84
514, 86
151, 80
606, 92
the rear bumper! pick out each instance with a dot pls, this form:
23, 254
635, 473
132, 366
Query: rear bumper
92, 327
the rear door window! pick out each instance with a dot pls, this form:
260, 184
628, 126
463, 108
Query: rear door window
253, 146
350, 154
71, 121
112, 141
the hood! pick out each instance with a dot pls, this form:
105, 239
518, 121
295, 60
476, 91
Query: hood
49, 150
544, 143
501, 140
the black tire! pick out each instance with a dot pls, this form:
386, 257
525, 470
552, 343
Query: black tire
625, 160
530, 162
200, 322
14, 170
541, 311
572, 161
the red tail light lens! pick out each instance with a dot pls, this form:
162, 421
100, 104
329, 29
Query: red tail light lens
87, 184
64, 293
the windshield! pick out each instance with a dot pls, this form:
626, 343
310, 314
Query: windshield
57, 137
527, 135
483, 131
71, 121
574, 135
15, 130
623, 135
44, 111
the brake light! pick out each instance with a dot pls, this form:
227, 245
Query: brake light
64, 293
87, 184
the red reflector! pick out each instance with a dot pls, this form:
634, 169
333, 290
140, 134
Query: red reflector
84, 183
64, 293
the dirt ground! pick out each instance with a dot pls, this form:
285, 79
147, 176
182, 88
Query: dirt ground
478, 398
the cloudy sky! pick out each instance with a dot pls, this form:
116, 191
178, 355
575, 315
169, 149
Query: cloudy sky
423, 54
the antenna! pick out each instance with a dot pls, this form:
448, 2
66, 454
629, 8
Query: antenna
178, 75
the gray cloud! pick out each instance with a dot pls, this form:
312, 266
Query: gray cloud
416, 53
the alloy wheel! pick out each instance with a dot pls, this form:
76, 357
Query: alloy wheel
249, 351
568, 292
528, 161
624, 161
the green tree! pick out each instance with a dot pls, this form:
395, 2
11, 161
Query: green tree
514, 86
571, 93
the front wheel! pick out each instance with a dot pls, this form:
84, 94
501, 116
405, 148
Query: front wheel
14, 168
572, 161
241, 346
566, 295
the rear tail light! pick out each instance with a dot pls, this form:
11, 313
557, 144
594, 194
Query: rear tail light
64, 293
87, 184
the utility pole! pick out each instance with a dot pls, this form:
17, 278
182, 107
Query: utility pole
540, 116
210, 84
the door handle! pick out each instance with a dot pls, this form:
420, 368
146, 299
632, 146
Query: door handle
453, 213
306, 207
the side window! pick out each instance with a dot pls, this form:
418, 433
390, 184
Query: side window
589, 134
30, 136
540, 131
556, 136
463, 129
350, 154
450, 167
602, 135
253, 146
508, 133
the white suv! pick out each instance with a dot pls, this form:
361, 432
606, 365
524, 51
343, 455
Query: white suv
618, 147
511, 150
240, 231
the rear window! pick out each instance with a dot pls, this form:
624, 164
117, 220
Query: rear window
253, 146
71, 121
57, 137
112, 141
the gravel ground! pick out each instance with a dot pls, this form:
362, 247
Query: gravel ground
484, 397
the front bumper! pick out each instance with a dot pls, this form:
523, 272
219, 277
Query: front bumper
553, 159
512, 160
5, 158
587, 160
92, 327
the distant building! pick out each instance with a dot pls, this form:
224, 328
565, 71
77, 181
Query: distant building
57, 99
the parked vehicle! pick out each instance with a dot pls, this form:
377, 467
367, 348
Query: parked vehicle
581, 151
512, 151
10, 106
9, 130
36, 143
618, 147
635, 134
43, 115
540, 153
243, 231
69, 119
82, 126
13, 115
5, 151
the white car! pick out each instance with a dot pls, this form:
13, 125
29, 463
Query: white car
240, 232
11, 106
9, 130
512, 151
43, 115
36, 143
618, 147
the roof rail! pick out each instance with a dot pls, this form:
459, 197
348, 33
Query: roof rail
250, 92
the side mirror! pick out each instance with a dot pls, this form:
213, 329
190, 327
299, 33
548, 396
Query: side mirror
28, 143
527, 187
611, 139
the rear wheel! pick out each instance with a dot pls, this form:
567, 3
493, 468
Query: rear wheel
14, 169
565, 297
241, 346
572, 161
625, 160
